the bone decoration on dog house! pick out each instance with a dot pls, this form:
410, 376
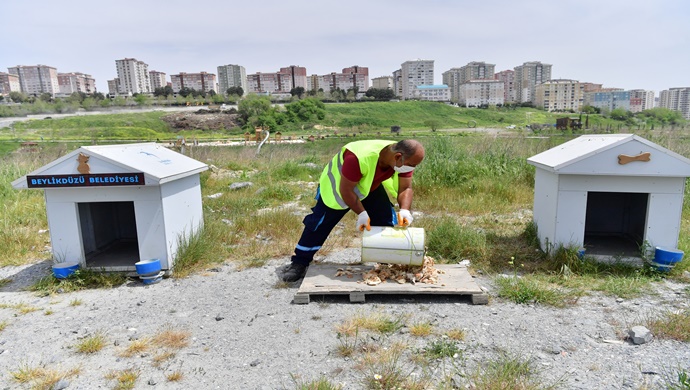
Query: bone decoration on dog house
109, 207
612, 195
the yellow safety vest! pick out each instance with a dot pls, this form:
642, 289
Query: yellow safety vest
367, 153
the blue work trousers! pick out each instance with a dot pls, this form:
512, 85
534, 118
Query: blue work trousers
319, 224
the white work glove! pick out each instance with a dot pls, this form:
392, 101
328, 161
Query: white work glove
405, 218
363, 221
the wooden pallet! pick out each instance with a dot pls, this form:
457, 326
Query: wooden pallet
321, 280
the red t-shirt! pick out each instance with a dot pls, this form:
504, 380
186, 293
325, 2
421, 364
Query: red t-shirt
352, 172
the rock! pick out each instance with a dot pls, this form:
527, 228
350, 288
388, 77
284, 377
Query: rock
61, 384
219, 318
639, 335
242, 184
151, 382
255, 363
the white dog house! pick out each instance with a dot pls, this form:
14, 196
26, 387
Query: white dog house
109, 207
610, 194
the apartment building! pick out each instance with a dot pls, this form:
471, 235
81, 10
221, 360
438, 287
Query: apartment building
508, 78
354, 77
677, 99
76, 82
297, 76
559, 95
415, 73
114, 86
475, 70
476, 93
133, 75
157, 80
36, 79
527, 77
202, 81
608, 99
435, 93
451, 78
592, 87
382, 82
641, 100
9, 83
268, 83
231, 76
282, 81
397, 82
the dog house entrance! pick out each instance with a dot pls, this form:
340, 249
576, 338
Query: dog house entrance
109, 234
615, 223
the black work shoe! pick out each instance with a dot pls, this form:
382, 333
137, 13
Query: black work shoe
294, 272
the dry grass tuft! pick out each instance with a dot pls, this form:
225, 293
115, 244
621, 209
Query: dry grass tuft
456, 334
136, 347
3, 325
126, 379
171, 338
377, 322
75, 302
175, 376
41, 378
162, 357
421, 329
91, 344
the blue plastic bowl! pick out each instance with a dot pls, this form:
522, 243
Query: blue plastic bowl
64, 270
662, 267
148, 267
153, 278
667, 256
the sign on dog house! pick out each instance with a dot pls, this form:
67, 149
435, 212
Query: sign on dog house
109, 207
611, 194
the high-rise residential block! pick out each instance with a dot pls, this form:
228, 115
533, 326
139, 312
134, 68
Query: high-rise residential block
592, 87
677, 99
508, 78
157, 80
282, 81
133, 75
397, 82
477, 93
527, 77
297, 76
202, 81
475, 70
114, 86
76, 82
36, 79
415, 73
9, 83
354, 77
359, 76
382, 82
559, 95
231, 76
641, 100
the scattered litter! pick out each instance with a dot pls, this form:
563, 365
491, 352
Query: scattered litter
214, 196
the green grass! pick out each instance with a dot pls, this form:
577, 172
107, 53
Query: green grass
508, 372
82, 279
475, 193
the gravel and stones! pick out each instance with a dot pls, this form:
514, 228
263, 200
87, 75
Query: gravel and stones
245, 332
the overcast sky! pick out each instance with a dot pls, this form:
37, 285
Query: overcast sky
621, 43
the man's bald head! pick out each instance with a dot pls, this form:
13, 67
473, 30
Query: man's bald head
412, 151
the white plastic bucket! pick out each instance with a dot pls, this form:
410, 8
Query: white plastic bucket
385, 244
